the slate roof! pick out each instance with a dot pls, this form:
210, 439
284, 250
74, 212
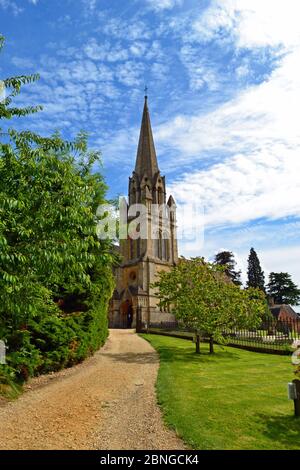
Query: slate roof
276, 309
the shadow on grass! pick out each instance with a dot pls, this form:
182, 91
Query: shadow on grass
282, 429
174, 354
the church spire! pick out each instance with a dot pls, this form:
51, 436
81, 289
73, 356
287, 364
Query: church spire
146, 161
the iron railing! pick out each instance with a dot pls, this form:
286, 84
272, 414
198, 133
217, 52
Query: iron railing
272, 335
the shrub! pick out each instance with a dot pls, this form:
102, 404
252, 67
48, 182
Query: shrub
55, 275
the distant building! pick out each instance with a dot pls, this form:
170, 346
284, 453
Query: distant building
284, 312
134, 301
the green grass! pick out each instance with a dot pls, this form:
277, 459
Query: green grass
234, 399
9, 390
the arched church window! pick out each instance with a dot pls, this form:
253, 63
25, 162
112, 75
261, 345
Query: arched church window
158, 245
167, 249
163, 249
160, 196
165, 246
133, 196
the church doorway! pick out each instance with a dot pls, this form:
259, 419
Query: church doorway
126, 314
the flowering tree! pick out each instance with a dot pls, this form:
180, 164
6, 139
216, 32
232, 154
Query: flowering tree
204, 299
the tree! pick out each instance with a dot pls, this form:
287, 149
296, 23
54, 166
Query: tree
203, 299
282, 289
226, 259
55, 274
256, 277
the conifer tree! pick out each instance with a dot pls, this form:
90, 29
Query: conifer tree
282, 289
226, 258
256, 277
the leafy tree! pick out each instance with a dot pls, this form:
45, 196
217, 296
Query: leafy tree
282, 289
256, 277
204, 300
226, 259
55, 275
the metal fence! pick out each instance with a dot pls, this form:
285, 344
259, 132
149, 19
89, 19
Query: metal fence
272, 336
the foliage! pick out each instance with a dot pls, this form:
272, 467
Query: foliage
226, 259
282, 289
203, 299
55, 275
233, 399
256, 277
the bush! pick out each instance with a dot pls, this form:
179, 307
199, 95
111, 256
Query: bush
55, 275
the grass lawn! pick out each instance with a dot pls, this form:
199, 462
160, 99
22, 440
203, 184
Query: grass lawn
234, 399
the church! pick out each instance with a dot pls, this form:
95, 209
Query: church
134, 303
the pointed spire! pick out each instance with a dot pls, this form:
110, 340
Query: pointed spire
146, 161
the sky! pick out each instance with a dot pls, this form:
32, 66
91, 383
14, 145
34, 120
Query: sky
223, 82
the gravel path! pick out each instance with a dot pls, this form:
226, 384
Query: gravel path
107, 402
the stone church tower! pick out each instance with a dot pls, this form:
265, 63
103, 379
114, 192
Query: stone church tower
134, 302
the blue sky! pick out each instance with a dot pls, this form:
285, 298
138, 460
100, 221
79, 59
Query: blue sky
224, 96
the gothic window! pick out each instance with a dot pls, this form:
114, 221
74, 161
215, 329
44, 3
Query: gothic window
167, 249
160, 247
159, 196
156, 242
133, 196
165, 246
163, 249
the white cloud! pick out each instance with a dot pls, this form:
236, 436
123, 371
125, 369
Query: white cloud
132, 30
243, 70
252, 23
261, 179
89, 5
138, 48
130, 73
256, 135
159, 5
22, 63
201, 73
11, 6
105, 51
159, 71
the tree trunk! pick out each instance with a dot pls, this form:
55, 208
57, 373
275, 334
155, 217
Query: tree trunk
211, 345
197, 343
